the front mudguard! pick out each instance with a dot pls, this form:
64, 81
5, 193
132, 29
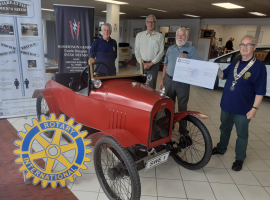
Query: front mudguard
125, 138
180, 115
50, 99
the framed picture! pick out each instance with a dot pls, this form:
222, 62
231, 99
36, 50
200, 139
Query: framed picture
136, 31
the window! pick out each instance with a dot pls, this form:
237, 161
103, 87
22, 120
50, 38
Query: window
225, 59
236, 55
263, 55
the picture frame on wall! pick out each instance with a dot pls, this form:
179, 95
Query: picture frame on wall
136, 31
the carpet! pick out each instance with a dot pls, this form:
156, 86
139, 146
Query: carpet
12, 186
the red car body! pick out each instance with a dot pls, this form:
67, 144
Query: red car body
118, 109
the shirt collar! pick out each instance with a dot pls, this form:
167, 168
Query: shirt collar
101, 38
247, 60
185, 45
153, 33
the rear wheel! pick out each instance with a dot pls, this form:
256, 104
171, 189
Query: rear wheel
193, 141
116, 170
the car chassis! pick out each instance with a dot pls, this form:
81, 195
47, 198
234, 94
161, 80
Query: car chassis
128, 123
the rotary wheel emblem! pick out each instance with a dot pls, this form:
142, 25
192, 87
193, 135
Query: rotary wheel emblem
53, 151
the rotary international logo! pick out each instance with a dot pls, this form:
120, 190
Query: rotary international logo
247, 75
52, 151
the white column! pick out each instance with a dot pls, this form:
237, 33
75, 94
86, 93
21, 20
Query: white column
112, 17
257, 35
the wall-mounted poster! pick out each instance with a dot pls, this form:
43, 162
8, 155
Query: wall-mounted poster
115, 28
136, 31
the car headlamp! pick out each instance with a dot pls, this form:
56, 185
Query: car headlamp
97, 83
162, 92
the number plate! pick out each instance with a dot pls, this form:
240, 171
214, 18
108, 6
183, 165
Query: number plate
124, 50
156, 161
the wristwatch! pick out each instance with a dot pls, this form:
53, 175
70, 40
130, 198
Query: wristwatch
255, 108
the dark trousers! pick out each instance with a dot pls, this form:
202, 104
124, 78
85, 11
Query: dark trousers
180, 90
241, 123
154, 72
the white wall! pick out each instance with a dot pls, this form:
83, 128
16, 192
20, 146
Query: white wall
46, 16
217, 28
121, 26
236, 31
236, 21
125, 30
266, 35
96, 25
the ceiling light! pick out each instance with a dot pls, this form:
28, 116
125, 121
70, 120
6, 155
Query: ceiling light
257, 13
119, 12
190, 15
227, 5
47, 9
112, 1
157, 10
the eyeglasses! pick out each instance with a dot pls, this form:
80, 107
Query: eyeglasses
151, 22
246, 45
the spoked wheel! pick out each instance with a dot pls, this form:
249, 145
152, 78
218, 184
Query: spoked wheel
116, 171
43, 109
193, 141
42, 106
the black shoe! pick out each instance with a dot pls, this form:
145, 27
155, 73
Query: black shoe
215, 151
237, 165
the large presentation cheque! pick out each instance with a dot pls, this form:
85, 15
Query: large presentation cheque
195, 72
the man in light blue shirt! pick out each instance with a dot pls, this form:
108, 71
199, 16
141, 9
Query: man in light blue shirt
182, 50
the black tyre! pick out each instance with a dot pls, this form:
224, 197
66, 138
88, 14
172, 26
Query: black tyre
43, 109
123, 63
193, 141
116, 170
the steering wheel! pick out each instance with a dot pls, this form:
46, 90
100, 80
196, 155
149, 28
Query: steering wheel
85, 71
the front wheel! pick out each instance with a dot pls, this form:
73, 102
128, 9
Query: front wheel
43, 109
116, 171
193, 141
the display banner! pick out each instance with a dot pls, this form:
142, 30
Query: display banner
75, 31
22, 68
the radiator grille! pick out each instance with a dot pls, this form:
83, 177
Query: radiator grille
161, 124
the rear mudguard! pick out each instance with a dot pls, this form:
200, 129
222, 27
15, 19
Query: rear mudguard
125, 138
181, 115
50, 99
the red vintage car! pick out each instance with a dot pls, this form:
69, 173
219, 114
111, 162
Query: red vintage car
128, 123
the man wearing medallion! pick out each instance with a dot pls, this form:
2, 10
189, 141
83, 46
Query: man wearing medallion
242, 95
